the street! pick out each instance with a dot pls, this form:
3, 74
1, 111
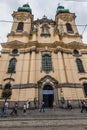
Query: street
60, 119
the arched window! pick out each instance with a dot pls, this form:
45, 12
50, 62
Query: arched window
80, 65
12, 65
85, 88
20, 26
69, 28
46, 63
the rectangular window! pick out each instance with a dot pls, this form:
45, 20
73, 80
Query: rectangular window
46, 63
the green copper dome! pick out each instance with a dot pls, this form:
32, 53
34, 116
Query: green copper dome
61, 9
25, 8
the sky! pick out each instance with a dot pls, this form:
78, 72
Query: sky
40, 8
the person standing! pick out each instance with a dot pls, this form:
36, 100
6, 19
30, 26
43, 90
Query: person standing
35, 103
69, 105
63, 102
54, 105
24, 108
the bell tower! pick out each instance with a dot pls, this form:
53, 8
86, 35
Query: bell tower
22, 24
65, 21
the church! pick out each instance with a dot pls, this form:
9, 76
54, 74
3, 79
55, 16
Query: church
43, 59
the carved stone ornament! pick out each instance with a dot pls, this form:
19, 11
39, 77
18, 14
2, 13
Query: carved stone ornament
67, 17
22, 17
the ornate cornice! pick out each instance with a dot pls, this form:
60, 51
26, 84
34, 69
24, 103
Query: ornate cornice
73, 35
25, 33
23, 86
77, 45
70, 85
61, 46
13, 44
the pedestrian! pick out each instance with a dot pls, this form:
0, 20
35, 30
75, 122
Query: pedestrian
54, 105
83, 103
63, 102
69, 105
5, 109
14, 110
86, 105
28, 104
24, 108
35, 101
42, 106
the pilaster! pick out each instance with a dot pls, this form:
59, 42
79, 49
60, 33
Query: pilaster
32, 67
61, 68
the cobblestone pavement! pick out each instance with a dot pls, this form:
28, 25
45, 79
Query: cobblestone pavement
60, 119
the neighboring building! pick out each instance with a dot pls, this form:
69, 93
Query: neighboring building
44, 59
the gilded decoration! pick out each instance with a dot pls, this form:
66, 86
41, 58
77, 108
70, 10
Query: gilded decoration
67, 18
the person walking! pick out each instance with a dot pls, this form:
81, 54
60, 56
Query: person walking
42, 106
5, 109
83, 103
14, 110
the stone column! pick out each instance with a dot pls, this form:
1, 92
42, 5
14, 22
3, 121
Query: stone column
32, 67
61, 68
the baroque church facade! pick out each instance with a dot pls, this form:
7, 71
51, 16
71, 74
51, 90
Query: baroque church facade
44, 59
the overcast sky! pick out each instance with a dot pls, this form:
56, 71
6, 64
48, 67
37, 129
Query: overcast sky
39, 8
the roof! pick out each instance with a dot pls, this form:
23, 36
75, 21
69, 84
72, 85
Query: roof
61, 9
25, 8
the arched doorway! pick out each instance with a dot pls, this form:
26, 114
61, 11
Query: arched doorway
48, 95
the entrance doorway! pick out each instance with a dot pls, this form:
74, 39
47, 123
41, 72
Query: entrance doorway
48, 95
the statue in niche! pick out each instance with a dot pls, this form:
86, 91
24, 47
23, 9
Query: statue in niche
35, 28
56, 29
45, 30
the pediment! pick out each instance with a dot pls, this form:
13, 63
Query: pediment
77, 45
13, 44
47, 78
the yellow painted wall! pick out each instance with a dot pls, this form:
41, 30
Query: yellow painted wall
23, 94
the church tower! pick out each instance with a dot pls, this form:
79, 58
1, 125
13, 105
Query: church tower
22, 24
65, 21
